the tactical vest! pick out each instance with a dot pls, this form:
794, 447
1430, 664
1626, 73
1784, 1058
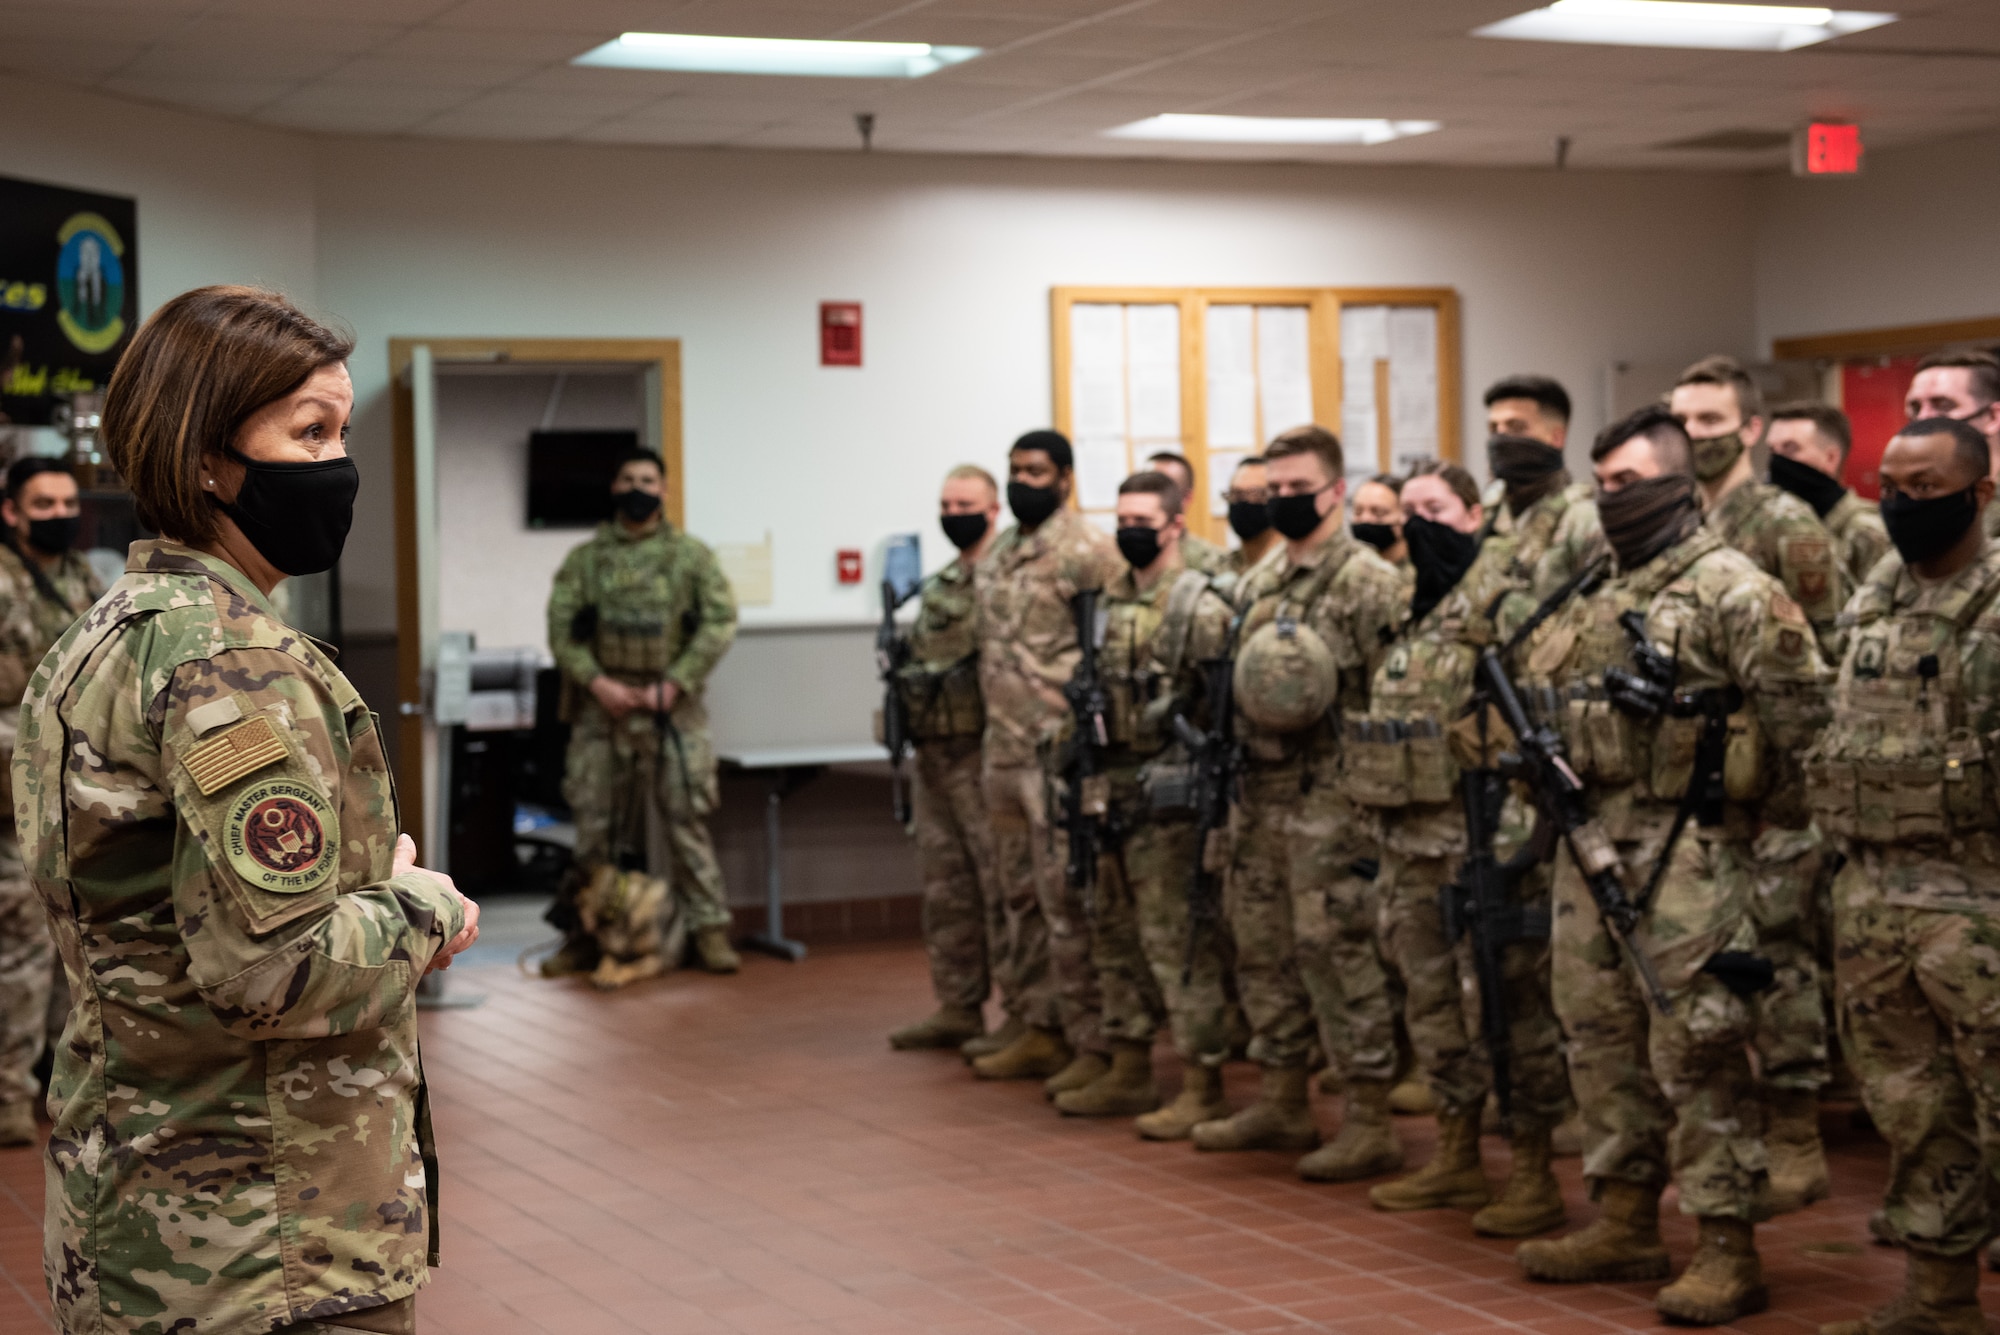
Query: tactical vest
1899, 763
940, 683
1145, 649
1606, 745
1416, 738
636, 620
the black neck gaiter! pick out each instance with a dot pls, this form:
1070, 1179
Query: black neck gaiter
1646, 518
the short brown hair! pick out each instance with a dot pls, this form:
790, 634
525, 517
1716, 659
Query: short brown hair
1828, 420
1722, 369
1311, 438
975, 473
194, 374
1985, 368
1155, 483
1462, 483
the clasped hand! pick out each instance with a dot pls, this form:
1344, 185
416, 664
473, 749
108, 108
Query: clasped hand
618, 699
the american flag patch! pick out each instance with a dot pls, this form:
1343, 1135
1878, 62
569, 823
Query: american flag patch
227, 757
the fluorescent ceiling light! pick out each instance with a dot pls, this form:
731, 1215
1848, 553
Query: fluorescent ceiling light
1271, 129
1677, 23
774, 55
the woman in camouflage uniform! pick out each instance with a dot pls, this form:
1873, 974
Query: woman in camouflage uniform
241, 1140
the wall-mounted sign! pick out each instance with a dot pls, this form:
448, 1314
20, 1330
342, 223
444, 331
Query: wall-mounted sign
69, 293
840, 333
1827, 148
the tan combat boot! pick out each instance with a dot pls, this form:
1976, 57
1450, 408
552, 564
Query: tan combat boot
1126, 1088
986, 1045
1725, 1279
1035, 1055
1366, 1144
17, 1125
1082, 1069
1200, 1100
1940, 1297
1798, 1159
1280, 1119
1531, 1202
948, 1027
1452, 1180
1412, 1097
712, 944
1620, 1246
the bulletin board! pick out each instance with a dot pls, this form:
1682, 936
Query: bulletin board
1214, 373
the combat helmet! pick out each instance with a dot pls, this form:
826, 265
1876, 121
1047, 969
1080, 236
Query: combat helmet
1285, 676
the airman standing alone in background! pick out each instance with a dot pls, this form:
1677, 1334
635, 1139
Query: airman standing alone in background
44, 587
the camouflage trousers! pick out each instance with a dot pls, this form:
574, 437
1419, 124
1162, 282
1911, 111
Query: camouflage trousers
1789, 872
1141, 948
1441, 998
1920, 1004
1048, 932
611, 773
27, 963
1664, 1096
1303, 919
963, 927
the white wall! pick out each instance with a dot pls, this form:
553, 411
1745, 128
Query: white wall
218, 202
1909, 241
954, 258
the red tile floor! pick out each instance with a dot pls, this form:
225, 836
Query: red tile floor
746, 1155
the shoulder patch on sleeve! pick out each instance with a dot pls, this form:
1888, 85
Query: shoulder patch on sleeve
226, 757
282, 836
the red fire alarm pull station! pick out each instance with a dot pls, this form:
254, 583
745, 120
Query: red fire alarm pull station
1827, 148
840, 333
847, 563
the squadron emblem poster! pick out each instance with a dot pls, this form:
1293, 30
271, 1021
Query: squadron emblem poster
69, 293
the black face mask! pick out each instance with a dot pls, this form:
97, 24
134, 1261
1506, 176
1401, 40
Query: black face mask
53, 537
1646, 518
1249, 520
635, 505
1139, 545
1441, 555
1807, 483
1379, 536
963, 531
1296, 516
296, 515
1032, 505
1928, 528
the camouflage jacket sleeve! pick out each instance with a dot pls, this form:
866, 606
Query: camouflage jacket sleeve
1774, 656
1579, 539
1803, 557
18, 656
569, 596
293, 925
1358, 616
715, 604
1208, 639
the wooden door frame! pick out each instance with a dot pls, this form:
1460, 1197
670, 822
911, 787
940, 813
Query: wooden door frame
659, 357
1894, 341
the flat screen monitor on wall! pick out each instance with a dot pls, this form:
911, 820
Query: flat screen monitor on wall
570, 473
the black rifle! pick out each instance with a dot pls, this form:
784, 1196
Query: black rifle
1217, 759
1559, 793
892, 654
1086, 806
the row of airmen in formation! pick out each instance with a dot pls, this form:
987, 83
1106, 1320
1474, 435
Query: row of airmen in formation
1846, 881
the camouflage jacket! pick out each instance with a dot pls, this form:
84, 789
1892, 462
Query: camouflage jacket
1728, 624
30, 621
1906, 773
1576, 541
1199, 553
1354, 600
1027, 635
1858, 535
239, 1106
1403, 757
1155, 642
662, 608
940, 682
1784, 537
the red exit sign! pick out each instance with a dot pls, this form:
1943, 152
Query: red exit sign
1827, 148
